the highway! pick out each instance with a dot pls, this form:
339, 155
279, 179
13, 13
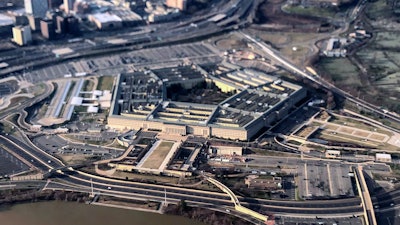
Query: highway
276, 56
81, 180
156, 35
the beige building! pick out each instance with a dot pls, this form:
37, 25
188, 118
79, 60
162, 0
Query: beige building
178, 4
268, 183
225, 150
139, 103
22, 35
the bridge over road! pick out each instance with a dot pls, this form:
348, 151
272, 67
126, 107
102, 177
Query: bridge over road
236, 202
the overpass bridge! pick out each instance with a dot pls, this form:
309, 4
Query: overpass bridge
236, 202
366, 201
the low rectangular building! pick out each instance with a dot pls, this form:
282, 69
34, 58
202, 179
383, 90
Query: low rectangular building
22, 35
106, 21
382, 157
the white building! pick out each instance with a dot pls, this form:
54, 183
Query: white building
36, 7
332, 154
382, 157
22, 35
106, 21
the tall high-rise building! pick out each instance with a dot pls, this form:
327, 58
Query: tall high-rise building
73, 25
22, 35
62, 25
54, 3
179, 4
34, 22
37, 8
69, 6
47, 29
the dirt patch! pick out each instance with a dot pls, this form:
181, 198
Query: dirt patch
270, 12
346, 130
361, 133
377, 137
158, 155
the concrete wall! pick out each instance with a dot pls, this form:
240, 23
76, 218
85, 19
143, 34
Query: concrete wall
228, 133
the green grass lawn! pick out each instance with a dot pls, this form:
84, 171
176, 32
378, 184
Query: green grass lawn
311, 11
341, 71
105, 83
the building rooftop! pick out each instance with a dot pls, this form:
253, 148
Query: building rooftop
137, 91
252, 101
184, 113
180, 73
231, 118
5, 20
141, 95
106, 17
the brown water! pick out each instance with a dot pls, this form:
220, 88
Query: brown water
71, 213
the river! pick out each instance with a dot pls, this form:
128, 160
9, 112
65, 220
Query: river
71, 213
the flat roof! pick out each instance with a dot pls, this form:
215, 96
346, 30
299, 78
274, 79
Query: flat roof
106, 17
383, 155
179, 73
140, 96
62, 51
6, 20
117, 41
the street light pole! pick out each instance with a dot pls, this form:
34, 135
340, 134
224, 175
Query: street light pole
165, 196
91, 186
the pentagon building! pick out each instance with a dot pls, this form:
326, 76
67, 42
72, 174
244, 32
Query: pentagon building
139, 102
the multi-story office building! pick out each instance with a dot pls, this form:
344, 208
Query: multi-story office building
179, 4
54, 3
36, 8
22, 35
47, 28
260, 99
34, 22
69, 6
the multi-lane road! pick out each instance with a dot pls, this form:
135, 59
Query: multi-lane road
82, 181
276, 56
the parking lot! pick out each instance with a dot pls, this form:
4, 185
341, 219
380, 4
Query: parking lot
284, 220
8, 87
56, 144
324, 180
9, 164
198, 53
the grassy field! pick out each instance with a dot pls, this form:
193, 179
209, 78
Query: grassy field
71, 159
310, 11
377, 9
345, 138
358, 124
341, 71
158, 155
105, 83
230, 42
146, 177
387, 39
297, 56
283, 38
88, 85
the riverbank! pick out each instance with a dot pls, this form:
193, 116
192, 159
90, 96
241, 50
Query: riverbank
204, 215
12, 197
73, 213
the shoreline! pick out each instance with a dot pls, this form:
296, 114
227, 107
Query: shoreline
13, 197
